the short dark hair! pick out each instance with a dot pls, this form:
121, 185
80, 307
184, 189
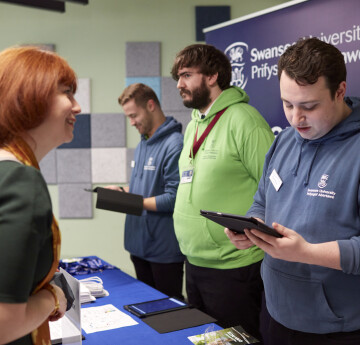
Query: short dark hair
310, 58
141, 93
208, 59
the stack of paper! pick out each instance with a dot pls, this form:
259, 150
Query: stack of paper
91, 288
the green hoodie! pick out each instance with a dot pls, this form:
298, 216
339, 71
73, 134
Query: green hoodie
227, 169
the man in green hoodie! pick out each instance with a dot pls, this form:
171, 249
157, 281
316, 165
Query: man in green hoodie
220, 166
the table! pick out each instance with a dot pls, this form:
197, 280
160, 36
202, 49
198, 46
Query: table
124, 289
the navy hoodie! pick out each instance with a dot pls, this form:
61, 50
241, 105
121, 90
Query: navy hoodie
151, 236
319, 199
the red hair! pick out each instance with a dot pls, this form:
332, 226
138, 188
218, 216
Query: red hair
29, 78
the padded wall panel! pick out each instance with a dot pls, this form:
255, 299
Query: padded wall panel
73, 165
170, 95
82, 133
48, 167
83, 95
153, 82
142, 59
129, 158
108, 130
208, 16
74, 202
108, 165
184, 117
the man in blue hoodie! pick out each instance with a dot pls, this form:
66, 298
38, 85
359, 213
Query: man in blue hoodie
150, 238
310, 194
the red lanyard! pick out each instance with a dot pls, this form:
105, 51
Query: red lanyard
197, 143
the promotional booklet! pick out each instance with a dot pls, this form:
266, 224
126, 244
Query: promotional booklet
228, 336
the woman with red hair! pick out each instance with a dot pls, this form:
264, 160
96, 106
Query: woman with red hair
37, 114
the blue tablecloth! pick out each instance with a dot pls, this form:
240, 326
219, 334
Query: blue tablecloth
124, 289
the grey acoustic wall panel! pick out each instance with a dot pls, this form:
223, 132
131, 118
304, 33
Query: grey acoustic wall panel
153, 82
129, 159
48, 167
142, 59
108, 130
184, 117
108, 165
74, 201
73, 165
170, 95
82, 135
83, 94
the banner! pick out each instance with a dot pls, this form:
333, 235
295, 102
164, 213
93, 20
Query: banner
254, 44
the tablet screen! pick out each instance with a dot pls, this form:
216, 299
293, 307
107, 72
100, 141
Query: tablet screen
157, 306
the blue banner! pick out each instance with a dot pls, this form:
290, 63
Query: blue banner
254, 46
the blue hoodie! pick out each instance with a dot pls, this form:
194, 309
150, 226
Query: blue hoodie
151, 236
319, 199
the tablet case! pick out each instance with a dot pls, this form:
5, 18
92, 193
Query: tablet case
113, 200
178, 319
239, 223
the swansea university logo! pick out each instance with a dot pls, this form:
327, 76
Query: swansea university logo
322, 183
235, 52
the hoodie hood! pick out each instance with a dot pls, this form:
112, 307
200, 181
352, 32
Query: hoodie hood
232, 96
169, 126
341, 131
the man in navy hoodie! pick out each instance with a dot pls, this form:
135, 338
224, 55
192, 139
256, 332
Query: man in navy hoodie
310, 194
150, 238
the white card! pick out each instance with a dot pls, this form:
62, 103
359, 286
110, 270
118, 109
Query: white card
276, 180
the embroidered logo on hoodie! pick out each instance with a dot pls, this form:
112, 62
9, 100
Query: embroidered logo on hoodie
322, 183
150, 165
322, 193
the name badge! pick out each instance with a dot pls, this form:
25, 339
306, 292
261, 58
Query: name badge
187, 176
276, 180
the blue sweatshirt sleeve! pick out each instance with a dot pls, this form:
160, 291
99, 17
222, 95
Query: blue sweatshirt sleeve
165, 202
350, 255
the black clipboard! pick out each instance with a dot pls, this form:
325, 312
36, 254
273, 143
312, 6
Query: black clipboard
238, 223
113, 200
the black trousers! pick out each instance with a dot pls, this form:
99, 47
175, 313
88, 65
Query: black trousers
232, 296
167, 278
277, 334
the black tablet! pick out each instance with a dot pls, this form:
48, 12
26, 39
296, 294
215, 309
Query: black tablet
157, 306
239, 223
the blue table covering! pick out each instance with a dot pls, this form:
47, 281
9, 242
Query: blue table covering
123, 290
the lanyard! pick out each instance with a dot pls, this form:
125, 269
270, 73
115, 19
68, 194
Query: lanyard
197, 143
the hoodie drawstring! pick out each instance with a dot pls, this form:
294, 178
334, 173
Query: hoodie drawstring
306, 182
296, 168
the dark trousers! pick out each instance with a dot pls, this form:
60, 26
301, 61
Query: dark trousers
232, 296
167, 278
277, 334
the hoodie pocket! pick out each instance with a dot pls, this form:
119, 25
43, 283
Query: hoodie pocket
137, 235
195, 238
299, 303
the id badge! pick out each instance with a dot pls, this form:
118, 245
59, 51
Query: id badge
187, 175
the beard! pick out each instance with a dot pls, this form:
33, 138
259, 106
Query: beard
200, 97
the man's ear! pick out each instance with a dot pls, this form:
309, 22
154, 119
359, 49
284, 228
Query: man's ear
340, 92
150, 105
212, 79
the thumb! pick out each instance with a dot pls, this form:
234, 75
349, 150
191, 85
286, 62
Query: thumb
282, 230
